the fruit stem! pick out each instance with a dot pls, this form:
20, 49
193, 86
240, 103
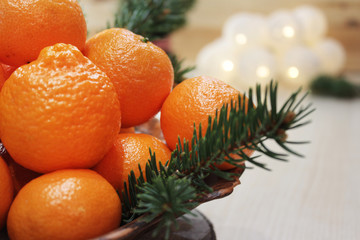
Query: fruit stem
145, 40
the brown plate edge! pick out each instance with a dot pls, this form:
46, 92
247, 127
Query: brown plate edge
221, 189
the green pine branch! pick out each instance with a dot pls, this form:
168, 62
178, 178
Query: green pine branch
172, 189
154, 19
179, 70
334, 86
175, 200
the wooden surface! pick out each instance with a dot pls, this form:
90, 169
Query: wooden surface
316, 197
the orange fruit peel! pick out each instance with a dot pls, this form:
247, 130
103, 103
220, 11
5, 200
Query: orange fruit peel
65, 204
192, 102
29, 26
141, 72
60, 111
130, 150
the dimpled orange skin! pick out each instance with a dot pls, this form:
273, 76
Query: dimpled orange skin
129, 150
141, 72
65, 204
192, 101
29, 26
60, 111
6, 192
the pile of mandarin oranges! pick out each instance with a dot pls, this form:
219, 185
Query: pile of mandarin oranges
68, 108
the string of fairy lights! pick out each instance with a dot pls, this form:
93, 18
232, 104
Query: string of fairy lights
288, 45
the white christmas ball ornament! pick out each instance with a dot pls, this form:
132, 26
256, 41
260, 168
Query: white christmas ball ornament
217, 59
244, 30
312, 23
283, 30
256, 65
299, 65
332, 56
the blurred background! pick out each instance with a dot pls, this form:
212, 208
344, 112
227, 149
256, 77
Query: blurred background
206, 19
333, 30
315, 197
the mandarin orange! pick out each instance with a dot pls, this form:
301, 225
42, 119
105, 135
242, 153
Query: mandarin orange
193, 101
29, 26
6, 191
129, 150
141, 72
60, 111
65, 204
228, 166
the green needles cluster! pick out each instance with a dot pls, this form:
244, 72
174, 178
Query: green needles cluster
175, 188
179, 70
334, 86
172, 189
155, 19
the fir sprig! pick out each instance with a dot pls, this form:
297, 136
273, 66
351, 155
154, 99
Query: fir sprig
179, 70
178, 192
235, 127
154, 19
337, 86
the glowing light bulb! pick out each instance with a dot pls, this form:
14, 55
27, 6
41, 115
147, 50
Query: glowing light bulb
312, 23
228, 65
244, 30
289, 31
241, 39
263, 71
332, 55
299, 65
217, 59
283, 30
255, 65
293, 72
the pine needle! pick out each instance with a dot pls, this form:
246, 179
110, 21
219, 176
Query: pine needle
172, 190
